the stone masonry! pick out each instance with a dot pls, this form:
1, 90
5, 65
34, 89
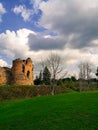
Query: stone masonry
21, 73
5, 75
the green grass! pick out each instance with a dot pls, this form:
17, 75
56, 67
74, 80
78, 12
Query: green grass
72, 111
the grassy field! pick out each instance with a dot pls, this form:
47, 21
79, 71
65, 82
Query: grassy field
72, 111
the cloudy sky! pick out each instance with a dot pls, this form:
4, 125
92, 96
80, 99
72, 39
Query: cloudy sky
34, 28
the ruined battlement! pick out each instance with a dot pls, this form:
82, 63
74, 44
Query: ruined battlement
21, 73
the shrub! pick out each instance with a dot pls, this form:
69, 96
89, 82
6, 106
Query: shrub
14, 92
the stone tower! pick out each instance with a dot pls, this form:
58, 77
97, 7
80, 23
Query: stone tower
22, 72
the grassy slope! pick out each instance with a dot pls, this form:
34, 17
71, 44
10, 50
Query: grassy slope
74, 111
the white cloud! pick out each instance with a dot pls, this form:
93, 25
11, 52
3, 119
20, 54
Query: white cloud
2, 11
71, 17
3, 63
52, 11
60, 12
75, 23
24, 12
15, 44
28, 13
35, 3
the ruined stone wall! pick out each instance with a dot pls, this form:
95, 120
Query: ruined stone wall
5, 75
22, 72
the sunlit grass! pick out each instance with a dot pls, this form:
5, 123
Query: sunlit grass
72, 111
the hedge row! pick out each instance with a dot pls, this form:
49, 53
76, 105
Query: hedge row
14, 92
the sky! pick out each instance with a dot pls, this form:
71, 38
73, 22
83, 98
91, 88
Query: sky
34, 28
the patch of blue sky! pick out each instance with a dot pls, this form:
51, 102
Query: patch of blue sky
12, 21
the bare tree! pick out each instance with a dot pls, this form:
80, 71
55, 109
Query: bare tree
85, 69
54, 64
97, 76
88, 71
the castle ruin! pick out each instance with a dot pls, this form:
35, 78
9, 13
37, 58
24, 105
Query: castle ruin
21, 73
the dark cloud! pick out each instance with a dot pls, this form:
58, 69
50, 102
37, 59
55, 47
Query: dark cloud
37, 42
76, 17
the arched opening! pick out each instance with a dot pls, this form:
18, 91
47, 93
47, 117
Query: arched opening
23, 68
28, 74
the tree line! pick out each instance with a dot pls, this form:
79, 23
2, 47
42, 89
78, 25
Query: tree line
52, 68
